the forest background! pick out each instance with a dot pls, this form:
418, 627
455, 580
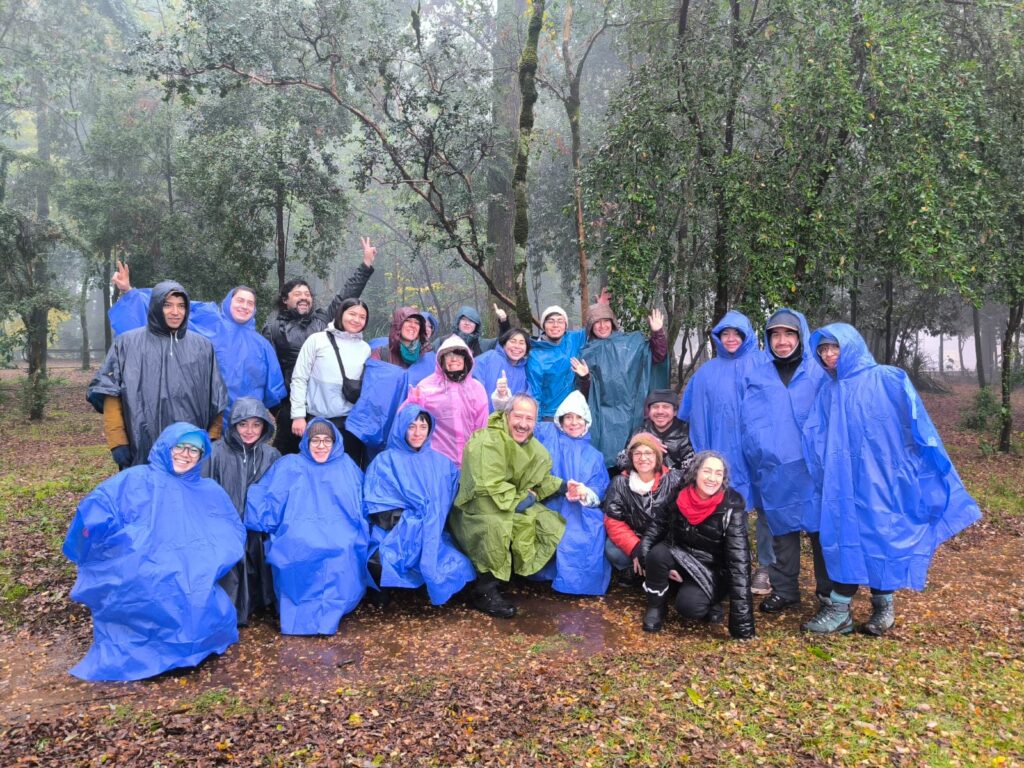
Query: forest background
857, 160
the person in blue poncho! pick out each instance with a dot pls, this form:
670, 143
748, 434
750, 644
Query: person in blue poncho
711, 405
502, 371
777, 396
246, 361
311, 504
579, 566
407, 493
150, 544
552, 367
468, 326
889, 492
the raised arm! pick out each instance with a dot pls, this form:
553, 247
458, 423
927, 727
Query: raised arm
356, 282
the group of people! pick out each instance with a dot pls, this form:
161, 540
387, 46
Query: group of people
305, 469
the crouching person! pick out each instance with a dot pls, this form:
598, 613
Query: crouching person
408, 491
701, 542
151, 544
311, 505
498, 518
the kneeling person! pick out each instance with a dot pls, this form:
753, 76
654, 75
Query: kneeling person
498, 519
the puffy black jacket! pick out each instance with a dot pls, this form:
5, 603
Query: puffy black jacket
636, 510
713, 553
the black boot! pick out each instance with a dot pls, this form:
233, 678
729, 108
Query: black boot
488, 599
654, 616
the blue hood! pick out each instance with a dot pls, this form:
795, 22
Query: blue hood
739, 321
854, 355
160, 453
225, 309
405, 417
337, 450
805, 333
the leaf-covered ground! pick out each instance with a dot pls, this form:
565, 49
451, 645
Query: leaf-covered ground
568, 682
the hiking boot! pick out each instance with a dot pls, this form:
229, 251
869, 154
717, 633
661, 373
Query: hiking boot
654, 616
761, 584
493, 603
776, 602
832, 619
883, 616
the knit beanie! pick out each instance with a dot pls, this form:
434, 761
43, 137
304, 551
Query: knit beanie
648, 440
554, 309
320, 429
597, 312
669, 396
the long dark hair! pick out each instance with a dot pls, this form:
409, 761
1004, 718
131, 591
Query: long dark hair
346, 305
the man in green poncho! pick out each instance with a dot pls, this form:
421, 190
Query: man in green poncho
498, 518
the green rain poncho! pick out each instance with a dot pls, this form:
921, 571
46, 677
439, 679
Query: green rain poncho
497, 472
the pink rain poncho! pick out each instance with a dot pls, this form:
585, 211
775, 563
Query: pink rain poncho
459, 408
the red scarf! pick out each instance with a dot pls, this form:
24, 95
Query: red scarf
695, 509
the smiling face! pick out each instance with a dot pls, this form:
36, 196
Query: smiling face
466, 325
521, 420
645, 461
573, 424
184, 457
410, 330
454, 362
320, 448
554, 326
602, 329
515, 347
829, 354
353, 320
250, 430
300, 298
783, 341
174, 310
710, 476
731, 339
417, 433
661, 415
243, 306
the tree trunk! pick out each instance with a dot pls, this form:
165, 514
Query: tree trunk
978, 348
1010, 340
888, 319
83, 321
36, 320
942, 353
108, 332
528, 89
282, 252
960, 341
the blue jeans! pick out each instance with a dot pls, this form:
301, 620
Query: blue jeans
620, 560
765, 550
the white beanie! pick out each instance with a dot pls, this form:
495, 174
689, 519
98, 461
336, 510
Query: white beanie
554, 309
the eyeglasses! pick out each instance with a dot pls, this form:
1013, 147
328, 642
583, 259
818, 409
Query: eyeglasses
321, 442
187, 450
644, 454
555, 320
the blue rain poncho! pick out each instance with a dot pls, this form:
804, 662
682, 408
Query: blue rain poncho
889, 492
161, 376
423, 484
549, 372
711, 401
385, 388
246, 360
488, 367
620, 375
318, 545
772, 418
150, 546
579, 566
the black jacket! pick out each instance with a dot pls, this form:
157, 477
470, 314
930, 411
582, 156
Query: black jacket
714, 553
636, 510
676, 440
287, 330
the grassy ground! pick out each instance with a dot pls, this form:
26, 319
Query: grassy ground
568, 682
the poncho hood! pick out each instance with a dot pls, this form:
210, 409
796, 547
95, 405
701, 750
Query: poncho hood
225, 310
597, 312
337, 450
160, 453
574, 403
405, 417
248, 408
805, 334
452, 342
739, 321
854, 355
155, 321
395, 332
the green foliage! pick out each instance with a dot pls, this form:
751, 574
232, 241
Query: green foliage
984, 408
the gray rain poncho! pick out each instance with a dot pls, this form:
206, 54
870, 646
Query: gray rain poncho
235, 466
162, 376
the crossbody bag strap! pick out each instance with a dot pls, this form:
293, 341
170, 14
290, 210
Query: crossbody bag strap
337, 354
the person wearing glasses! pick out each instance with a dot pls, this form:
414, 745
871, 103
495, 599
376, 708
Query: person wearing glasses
553, 361
311, 505
151, 544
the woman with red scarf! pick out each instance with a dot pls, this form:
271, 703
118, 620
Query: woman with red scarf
701, 542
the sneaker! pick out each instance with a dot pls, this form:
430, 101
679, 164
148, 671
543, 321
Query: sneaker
883, 617
761, 584
493, 603
776, 602
831, 619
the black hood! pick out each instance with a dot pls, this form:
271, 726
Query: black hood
248, 408
155, 321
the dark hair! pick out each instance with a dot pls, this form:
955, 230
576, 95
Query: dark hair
346, 305
425, 417
238, 288
287, 288
503, 339
698, 461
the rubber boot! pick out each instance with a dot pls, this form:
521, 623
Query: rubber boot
883, 616
654, 616
489, 600
832, 619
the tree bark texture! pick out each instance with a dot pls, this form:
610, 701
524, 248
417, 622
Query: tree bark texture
1011, 338
978, 347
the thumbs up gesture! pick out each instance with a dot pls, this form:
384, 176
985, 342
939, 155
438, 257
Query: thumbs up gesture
502, 385
499, 312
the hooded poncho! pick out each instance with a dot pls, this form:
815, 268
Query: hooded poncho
889, 493
246, 361
711, 401
422, 484
318, 544
390, 351
772, 418
150, 546
161, 376
487, 370
496, 476
459, 408
235, 466
579, 567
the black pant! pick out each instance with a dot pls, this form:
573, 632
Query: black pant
785, 571
846, 590
353, 445
691, 600
284, 440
